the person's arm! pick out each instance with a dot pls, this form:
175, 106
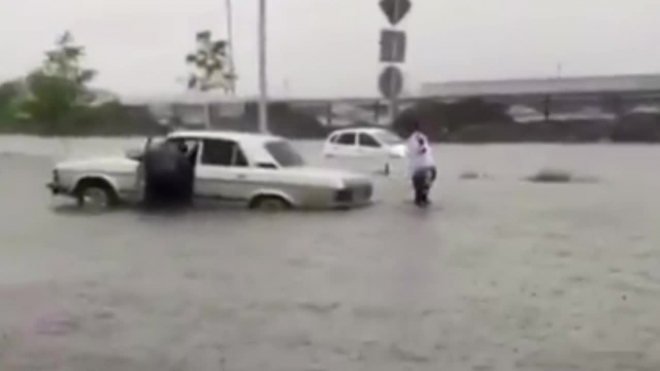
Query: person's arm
422, 144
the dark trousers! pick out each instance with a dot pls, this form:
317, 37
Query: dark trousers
422, 180
169, 191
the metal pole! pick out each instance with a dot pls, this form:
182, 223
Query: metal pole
559, 71
230, 44
207, 116
263, 77
393, 102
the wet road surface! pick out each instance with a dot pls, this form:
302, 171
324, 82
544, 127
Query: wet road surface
498, 275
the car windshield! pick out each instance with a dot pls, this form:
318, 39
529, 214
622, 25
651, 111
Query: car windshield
387, 137
284, 154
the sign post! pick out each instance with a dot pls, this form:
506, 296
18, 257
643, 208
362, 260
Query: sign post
395, 10
390, 82
393, 52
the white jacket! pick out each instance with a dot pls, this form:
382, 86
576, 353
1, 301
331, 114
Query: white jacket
419, 152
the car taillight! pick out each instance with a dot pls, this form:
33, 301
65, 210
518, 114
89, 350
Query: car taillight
397, 152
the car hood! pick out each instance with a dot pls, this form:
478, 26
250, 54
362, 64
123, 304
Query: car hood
111, 164
328, 176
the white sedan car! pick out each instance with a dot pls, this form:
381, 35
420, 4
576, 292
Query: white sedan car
371, 144
261, 170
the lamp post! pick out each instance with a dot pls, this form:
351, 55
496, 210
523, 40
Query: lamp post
263, 76
230, 45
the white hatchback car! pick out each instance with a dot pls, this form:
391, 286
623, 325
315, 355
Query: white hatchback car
374, 144
261, 170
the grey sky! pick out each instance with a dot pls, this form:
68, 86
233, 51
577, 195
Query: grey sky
329, 47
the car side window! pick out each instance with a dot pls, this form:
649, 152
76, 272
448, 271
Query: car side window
219, 152
184, 144
366, 140
347, 139
187, 146
238, 157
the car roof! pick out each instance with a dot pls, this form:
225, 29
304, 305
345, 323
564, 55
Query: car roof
369, 130
226, 135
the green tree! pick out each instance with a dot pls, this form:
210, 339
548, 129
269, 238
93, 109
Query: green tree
212, 65
8, 93
57, 91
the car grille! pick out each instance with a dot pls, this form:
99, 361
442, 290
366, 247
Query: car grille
355, 193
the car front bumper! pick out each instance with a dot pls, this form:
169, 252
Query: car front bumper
354, 195
57, 189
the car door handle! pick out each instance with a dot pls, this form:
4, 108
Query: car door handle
241, 176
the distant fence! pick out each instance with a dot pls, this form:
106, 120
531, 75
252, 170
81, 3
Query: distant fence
108, 120
546, 118
573, 117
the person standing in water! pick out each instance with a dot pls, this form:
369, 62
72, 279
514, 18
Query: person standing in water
421, 163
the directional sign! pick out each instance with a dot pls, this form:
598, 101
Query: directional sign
390, 82
392, 46
395, 10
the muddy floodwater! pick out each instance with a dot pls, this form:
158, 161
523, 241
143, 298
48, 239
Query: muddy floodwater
499, 274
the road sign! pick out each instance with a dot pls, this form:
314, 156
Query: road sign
392, 46
390, 82
395, 10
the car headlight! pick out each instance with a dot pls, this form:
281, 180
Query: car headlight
56, 176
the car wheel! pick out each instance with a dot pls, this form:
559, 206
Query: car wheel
270, 203
96, 194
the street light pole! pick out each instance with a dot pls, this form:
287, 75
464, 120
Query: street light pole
263, 77
230, 44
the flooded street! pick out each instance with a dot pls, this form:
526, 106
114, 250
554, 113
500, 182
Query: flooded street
500, 274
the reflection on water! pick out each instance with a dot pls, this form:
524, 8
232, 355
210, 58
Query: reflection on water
631, 163
500, 274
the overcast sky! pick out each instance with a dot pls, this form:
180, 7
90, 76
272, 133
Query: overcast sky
330, 47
